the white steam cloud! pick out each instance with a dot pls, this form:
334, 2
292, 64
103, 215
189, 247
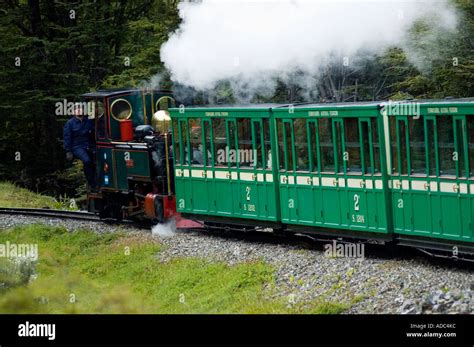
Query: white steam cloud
250, 43
167, 229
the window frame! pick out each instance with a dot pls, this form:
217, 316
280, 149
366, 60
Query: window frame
292, 144
316, 147
428, 149
184, 160
130, 109
365, 170
323, 170
359, 139
235, 142
207, 124
425, 146
398, 120
465, 144
253, 123
335, 137
444, 175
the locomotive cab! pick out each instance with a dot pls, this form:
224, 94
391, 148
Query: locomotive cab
133, 156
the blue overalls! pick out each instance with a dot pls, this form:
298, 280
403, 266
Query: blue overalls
78, 139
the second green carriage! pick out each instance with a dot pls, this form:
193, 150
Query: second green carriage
394, 171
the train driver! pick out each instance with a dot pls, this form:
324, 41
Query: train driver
79, 142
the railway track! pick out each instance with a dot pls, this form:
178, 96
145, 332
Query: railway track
42, 212
306, 241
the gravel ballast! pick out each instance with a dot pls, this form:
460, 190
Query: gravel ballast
371, 284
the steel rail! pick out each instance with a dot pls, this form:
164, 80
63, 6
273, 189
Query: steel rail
43, 212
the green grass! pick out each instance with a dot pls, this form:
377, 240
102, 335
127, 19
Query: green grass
85, 272
14, 196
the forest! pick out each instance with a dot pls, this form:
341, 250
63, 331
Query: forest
56, 50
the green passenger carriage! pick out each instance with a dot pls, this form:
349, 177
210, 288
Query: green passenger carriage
400, 172
223, 163
432, 171
331, 173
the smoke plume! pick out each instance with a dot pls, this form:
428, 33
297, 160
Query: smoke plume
250, 44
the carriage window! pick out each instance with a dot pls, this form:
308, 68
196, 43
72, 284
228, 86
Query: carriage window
417, 145
398, 138
393, 144
195, 134
207, 143
176, 151
431, 146
281, 150
220, 141
184, 143
301, 145
366, 146
231, 132
460, 148
447, 165
339, 144
352, 143
244, 133
375, 145
313, 146
326, 145
257, 154
470, 140
403, 159
267, 148
289, 147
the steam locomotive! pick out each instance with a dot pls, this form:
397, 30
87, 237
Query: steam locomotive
134, 159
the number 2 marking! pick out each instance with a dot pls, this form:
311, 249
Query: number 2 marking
356, 202
247, 189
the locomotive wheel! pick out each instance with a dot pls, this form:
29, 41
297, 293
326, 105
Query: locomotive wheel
110, 210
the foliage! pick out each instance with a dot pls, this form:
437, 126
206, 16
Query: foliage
104, 279
116, 44
12, 195
52, 51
